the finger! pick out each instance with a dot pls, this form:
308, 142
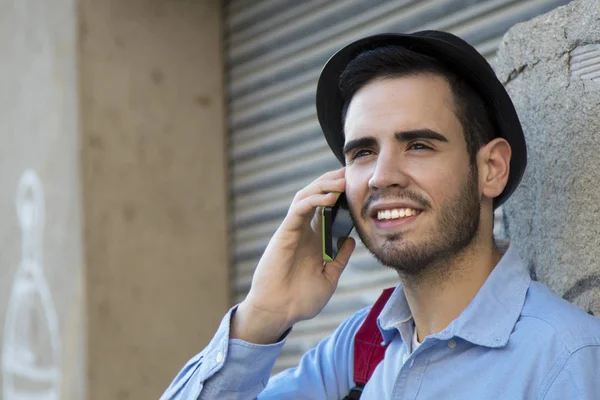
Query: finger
300, 214
328, 176
345, 252
308, 205
315, 222
322, 187
332, 175
335, 268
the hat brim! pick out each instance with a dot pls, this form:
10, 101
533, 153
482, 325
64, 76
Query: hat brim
456, 55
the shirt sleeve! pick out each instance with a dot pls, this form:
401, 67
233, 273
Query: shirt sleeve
579, 376
226, 366
235, 369
325, 372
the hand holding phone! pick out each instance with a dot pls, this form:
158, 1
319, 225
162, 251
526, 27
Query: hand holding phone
291, 283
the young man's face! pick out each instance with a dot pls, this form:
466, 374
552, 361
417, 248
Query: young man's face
412, 192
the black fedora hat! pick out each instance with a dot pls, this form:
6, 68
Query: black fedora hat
457, 56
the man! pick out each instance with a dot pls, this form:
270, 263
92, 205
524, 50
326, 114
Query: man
431, 146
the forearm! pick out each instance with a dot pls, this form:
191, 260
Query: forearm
225, 366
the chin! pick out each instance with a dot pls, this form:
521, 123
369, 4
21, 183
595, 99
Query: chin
405, 256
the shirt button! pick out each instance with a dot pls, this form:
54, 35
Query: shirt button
452, 344
404, 358
219, 357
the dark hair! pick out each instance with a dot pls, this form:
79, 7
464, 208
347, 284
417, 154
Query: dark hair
396, 61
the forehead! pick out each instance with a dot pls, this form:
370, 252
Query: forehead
386, 106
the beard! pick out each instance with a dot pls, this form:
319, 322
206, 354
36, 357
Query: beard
455, 229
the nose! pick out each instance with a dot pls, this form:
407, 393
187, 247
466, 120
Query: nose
388, 172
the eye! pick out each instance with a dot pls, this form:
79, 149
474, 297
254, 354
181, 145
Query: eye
355, 155
418, 146
361, 153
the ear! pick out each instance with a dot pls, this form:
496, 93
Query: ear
493, 161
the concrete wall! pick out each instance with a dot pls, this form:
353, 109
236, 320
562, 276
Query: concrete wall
112, 122
551, 68
154, 188
41, 290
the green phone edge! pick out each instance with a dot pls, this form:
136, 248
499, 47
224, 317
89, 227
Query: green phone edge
326, 256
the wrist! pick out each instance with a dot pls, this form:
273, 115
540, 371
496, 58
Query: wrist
256, 326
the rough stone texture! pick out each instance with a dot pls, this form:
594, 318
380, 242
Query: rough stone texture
39, 128
554, 216
155, 189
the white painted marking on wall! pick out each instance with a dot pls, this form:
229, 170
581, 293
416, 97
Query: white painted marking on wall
31, 345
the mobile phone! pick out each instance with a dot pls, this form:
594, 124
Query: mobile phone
337, 224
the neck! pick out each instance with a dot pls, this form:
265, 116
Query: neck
439, 297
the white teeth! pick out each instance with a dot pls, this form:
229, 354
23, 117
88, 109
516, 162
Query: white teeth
396, 213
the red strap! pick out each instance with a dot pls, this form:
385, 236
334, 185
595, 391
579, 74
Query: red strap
368, 350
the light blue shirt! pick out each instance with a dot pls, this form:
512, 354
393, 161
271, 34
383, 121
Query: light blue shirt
515, 340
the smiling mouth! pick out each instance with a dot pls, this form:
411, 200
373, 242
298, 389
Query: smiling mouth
396, 214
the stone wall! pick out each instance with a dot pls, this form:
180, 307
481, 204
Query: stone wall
551, 68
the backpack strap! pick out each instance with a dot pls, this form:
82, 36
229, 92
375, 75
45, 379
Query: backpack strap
368, 350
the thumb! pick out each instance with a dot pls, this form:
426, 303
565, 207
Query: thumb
336, 267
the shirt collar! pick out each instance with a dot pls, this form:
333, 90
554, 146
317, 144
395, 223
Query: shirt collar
487, 321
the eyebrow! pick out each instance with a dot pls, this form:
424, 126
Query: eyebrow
367, 141
404, 136
420, 134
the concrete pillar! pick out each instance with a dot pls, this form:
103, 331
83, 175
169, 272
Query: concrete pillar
154, 188
113, 257
551, 68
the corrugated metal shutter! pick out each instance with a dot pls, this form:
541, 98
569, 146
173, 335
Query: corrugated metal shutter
275, 51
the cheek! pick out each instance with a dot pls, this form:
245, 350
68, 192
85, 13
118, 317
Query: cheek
439, 180
357, 189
